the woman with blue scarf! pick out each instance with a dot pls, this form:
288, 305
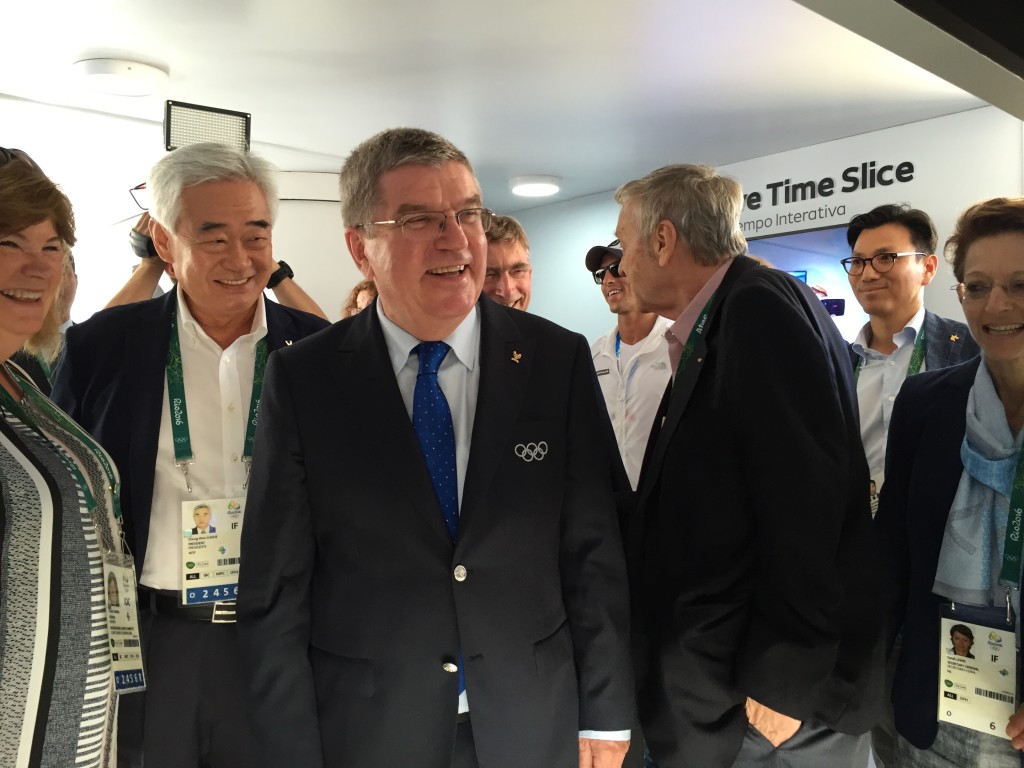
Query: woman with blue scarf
949, 539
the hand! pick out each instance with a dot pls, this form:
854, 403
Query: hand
774, 726
1015, 729
142, 225
602, 753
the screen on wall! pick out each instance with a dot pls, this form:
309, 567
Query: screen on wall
813, 256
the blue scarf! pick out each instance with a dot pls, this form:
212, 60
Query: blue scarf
972, 546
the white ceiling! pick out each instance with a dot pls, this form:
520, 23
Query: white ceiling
594, 91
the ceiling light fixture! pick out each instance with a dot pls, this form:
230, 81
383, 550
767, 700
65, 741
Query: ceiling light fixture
535, 186
121, 77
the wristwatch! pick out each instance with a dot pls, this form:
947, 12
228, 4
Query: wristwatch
142, 244
280, 274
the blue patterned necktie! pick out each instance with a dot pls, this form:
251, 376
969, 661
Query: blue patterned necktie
432, 421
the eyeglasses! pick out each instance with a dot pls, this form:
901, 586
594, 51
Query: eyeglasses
600, 273
426, 225
979, 291
10, 155
880, 262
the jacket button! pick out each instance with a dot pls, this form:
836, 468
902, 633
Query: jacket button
449, 667
460, 573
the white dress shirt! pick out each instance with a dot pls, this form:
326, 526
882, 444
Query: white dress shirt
218, 388
878, 383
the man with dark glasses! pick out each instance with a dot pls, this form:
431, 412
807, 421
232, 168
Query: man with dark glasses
631, 361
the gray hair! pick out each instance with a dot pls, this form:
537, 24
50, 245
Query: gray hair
390, 149
704, 207
201, 163
505, 229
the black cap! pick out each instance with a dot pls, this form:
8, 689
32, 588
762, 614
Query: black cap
596, 254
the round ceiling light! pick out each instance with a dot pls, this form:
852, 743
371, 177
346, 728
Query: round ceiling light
534, 186
121, 77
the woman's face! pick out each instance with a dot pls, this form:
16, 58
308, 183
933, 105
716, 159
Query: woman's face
30, 270
993, 273
961, 644
364, 298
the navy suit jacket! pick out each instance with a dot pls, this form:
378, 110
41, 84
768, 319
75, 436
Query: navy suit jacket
752, 566
922, 474
111, 378
946, 342
359, 602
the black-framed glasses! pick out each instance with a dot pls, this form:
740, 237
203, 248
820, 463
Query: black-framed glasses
976, 290
9, 155
613, 268
140, 194
880, 262
426, 225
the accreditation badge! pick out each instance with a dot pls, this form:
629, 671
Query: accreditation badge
977, 669
210, 549
123, 623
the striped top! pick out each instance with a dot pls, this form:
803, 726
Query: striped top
57, 700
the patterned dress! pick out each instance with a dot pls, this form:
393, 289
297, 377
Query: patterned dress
57, 700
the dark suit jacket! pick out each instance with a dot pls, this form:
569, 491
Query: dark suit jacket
354, 609
922, 473
111, 378
946, 342
751, 556
211, 529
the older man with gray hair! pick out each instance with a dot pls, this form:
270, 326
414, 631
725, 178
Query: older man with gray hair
758, 625
171, 388
449, 590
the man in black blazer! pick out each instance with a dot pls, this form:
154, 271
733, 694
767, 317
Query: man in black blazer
370, 607
757, 628
213, 211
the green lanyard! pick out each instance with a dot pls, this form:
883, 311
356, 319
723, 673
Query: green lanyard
45, 405
916, 358
695, 334
183, 455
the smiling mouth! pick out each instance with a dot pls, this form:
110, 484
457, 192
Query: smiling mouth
613, 292
23, 296
454, 270
241, 281
1004, 330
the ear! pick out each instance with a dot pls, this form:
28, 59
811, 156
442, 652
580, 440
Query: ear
161, 241
664, 241
355, 239
931, 264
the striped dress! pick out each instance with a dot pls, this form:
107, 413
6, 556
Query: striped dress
57, 701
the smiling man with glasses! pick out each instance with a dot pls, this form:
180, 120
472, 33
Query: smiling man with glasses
631, 361
893, 260
450, 589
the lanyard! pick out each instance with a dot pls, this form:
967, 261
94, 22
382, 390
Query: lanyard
183, 455
916, 358
695, 334
45, 405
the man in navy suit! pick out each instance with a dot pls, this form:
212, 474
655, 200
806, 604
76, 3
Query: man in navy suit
406, 616
135, 376
758, 629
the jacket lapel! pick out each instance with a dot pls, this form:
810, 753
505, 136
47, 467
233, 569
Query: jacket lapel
506, 361
365, 381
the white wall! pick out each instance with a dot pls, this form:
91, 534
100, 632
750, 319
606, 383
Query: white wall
958, 160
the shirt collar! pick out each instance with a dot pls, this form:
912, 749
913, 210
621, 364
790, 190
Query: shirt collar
195, 333
464, 340
907, 336
680, 329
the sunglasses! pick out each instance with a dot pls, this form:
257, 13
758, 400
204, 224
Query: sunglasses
10, 155
600, 273
613, 268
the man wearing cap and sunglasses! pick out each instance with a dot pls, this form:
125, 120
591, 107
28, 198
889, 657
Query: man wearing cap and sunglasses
631, 361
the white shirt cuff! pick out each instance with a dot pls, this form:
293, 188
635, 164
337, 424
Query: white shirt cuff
606, 735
